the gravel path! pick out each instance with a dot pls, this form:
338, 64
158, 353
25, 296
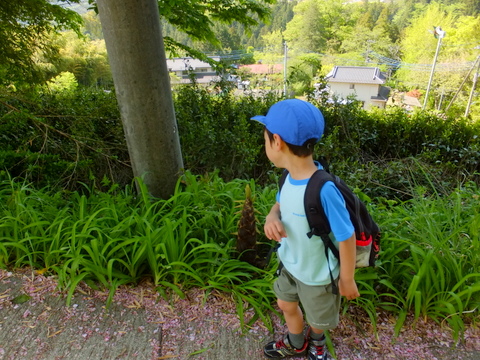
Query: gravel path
191, 327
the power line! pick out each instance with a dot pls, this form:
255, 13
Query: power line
381, 59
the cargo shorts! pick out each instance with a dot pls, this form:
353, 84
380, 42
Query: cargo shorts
321, 306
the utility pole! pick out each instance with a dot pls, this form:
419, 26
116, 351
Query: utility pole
285, 49
439, 34
475, 78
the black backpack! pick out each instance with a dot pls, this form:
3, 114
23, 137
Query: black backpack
367, 232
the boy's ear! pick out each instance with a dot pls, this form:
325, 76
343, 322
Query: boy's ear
278, 143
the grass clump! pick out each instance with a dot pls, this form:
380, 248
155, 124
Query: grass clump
428, 266
119, 237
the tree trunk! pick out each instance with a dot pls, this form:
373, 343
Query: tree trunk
136, 53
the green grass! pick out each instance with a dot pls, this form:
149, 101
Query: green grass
429, 264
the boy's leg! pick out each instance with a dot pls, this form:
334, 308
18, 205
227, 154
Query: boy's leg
316, 334
322, 309
293, 316
294, 343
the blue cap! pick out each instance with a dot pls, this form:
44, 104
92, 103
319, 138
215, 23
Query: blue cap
294, 120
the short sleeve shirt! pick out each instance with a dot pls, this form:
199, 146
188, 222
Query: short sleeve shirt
302, 256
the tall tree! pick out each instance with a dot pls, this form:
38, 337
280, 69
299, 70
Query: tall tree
317, 25
306, 31
419, 44
135, 46
137, 57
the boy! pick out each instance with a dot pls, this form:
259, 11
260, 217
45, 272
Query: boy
292, 128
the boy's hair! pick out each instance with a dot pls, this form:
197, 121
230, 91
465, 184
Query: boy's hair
301, 151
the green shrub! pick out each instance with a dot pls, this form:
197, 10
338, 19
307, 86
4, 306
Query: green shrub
428, 266
63, 140
216, 132
69, 139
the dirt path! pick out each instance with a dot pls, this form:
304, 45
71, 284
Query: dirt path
199, 328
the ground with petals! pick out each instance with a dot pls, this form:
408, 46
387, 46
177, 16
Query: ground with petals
353, 339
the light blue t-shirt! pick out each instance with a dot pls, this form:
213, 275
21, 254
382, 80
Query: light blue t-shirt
304, 257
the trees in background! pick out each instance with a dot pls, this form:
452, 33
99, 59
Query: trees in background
394, 36
137, 55
25, 30
456, 55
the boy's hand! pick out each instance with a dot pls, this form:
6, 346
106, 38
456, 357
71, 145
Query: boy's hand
273, 227
348, 288
346, 283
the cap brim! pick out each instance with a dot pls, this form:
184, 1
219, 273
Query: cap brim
260, 118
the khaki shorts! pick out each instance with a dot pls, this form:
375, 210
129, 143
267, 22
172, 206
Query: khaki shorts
321, 307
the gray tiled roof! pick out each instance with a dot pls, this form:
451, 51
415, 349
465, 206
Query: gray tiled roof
356, 75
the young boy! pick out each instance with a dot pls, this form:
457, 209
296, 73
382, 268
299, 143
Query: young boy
292, 128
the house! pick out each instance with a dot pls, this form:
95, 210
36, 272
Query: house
365, 83
182, 67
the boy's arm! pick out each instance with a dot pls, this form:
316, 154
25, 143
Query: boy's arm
274, 229
346, 284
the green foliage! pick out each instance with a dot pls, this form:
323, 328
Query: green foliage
26, 26
195, 20
216, 132
430, 262
428, 265
63, 139
119, 237
67, 139
87, 59
385, 151
63, 83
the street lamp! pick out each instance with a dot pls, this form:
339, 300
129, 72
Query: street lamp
439, 34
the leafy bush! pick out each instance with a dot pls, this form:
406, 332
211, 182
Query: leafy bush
69, 139
216, 132
63, 139
386, 152
118, 237
428, 265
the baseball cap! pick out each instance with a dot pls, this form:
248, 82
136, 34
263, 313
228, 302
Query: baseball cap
295, 120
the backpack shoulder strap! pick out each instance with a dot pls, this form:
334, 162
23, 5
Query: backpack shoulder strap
316, 217
282, 179
313, 207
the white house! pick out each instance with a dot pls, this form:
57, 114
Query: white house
365, 83
203, 71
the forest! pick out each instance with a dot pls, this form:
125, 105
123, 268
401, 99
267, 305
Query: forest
397, 36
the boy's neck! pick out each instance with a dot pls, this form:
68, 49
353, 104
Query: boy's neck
301, 168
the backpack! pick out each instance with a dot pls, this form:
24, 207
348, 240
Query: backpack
367, 232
